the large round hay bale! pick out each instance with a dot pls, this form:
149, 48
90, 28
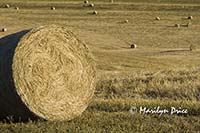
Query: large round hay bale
45, 73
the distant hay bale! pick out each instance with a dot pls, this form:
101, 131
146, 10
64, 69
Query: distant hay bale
111, 1
133, 46
157, 18
177, 25
126, 21
4, 30
53, 8
91, 5
86, 2
95, 12
17, 8
46, 73
7, 6
190, 17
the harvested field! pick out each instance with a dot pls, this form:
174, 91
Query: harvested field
163, 71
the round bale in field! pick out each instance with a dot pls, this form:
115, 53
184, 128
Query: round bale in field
190, 17
133, 46
46, 73
95, 12
126, 21
7, 6
86, 2
157, 18
3, 29
53, 8
91, 5
17, 8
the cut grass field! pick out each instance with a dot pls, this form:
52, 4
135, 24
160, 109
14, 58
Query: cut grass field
162, 71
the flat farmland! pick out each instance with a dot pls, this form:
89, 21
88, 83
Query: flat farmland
162, 71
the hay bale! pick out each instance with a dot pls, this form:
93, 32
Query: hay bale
177, 25
157, 18
91, 5
7, 6
126, 21
95, 12
4, 30
133, 46
53, 8
86, 2
46, 73
16, 8
190, 17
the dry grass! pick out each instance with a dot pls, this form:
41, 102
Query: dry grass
150, 75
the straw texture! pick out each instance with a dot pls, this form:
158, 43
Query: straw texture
53, 75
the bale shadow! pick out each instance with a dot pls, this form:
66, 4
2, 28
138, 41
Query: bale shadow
186, 18
171, 26
12, 109
122, 22
175, 50
128, 47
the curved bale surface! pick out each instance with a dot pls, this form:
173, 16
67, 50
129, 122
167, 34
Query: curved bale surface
45, 73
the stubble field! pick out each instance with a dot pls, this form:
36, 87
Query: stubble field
162, 71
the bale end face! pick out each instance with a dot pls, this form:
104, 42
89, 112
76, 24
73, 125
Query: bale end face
53, 74
86, 2
133, 46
